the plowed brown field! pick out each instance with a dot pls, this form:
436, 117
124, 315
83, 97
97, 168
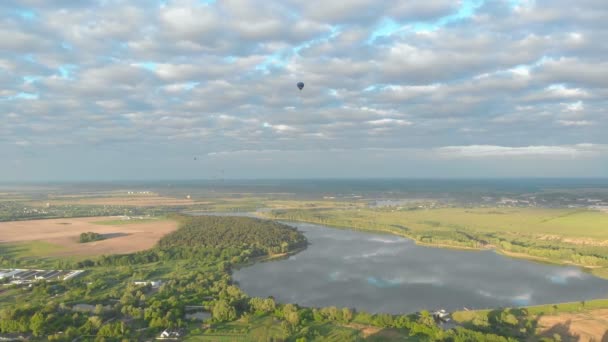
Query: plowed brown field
64, 233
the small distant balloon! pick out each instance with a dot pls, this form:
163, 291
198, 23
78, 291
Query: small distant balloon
300, 85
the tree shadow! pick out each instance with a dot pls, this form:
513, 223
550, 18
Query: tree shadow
389, 335
563, 331
605, 337
11, 251
511, 322
519, 324
114, 235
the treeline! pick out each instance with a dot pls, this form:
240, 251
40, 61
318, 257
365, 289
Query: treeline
224, 255
16, 211
306, 324
259, 236
90, 237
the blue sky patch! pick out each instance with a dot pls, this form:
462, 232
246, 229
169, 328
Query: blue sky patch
66, 71
150, 66
26, 14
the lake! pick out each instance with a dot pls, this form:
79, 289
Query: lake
387, 273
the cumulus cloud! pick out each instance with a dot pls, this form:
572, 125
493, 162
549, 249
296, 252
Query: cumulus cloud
483, 151
445, 79
574, 123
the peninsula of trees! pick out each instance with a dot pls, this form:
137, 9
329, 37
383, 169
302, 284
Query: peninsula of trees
261, 237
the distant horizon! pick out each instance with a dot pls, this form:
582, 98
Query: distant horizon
212, 180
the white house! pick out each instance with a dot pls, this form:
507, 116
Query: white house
153, 283
169, 335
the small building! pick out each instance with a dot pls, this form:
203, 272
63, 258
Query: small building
169, 335
441, 315
9, 273
73, 274
154, 283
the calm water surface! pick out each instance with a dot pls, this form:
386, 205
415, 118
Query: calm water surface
385, 273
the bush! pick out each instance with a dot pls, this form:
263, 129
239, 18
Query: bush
90, 237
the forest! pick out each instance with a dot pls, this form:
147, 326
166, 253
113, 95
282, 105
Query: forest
261, 236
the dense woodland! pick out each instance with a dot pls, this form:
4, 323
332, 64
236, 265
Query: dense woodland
260, 236
194, 264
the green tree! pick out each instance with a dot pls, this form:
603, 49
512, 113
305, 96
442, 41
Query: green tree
347, 315
98, 309
37, 325
222, 311
291, 314
426, 318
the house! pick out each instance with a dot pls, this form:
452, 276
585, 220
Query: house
441, 315
154, 283
169, 335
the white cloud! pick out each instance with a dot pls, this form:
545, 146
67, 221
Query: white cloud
579, 123
389, 122
22, 143
562, 91
280, 128
485, 151
575, 106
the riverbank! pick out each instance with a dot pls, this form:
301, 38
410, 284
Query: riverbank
460, 237
272, 257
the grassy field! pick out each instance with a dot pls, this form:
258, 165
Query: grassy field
118, 198
252, 329
268, 328
547, 223
31, 249
572, 236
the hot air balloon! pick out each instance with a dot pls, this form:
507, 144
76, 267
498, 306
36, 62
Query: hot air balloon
300, 85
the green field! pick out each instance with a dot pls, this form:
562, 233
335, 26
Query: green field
555, 235
30, 249
252, 329
528, 221
269, 328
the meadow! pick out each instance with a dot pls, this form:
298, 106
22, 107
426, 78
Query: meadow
570, 236
572, 224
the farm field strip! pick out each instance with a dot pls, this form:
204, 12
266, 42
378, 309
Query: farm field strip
59, 237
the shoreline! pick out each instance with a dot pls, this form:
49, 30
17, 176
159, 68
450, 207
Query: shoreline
514, 255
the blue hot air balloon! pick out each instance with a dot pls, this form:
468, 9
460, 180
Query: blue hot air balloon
300, 85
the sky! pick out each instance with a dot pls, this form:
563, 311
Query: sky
144, 89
